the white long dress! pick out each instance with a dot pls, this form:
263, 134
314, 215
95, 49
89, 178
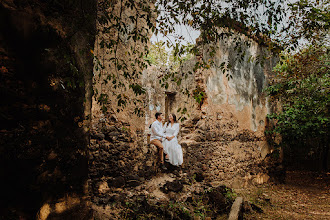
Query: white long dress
172, 148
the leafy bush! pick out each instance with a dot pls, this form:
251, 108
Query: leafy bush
301, 84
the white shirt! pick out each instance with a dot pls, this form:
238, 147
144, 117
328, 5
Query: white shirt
157, 131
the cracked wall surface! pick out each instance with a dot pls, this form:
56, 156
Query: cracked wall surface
241, 92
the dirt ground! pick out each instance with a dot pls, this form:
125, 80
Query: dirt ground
304, 195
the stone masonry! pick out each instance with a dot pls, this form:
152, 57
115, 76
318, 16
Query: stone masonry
222, 137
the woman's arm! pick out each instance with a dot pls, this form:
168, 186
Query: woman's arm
177, 129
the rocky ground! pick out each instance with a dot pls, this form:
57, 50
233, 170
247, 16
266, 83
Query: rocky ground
170, 195
176, 195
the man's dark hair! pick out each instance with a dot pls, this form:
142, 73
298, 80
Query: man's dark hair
158, 114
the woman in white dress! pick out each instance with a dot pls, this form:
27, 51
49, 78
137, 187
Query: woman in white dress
171, 146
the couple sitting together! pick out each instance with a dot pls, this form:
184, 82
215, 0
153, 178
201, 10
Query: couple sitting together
165, 138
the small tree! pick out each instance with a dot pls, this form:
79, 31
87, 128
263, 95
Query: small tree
157, 54
302, 86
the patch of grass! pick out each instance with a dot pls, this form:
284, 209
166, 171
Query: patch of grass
179, 209
201, 207
230, 194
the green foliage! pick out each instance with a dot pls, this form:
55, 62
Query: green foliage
157, 54
130, 23
230, 194
302, 85
306, 111
199, 95
181, 54
208, 16
310, 20
171, 59
179, 209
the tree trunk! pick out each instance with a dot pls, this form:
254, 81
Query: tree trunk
325, 156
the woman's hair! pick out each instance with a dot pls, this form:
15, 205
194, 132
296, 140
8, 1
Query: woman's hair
174, 119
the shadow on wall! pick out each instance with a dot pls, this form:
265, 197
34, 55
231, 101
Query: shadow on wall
41, 145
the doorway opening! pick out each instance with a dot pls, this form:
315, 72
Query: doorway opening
169, 100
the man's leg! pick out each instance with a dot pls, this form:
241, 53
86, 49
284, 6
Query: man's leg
160, 147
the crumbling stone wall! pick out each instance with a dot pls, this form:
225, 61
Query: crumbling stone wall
156, 96
216, 151
223, 139
118, 158
118, 155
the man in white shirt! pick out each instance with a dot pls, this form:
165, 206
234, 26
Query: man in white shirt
158, 136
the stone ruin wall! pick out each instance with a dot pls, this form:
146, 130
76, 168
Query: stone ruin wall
105, 71
241, 96
117, 155
223, 139
158, 97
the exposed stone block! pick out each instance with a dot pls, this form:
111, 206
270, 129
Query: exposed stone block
236, 211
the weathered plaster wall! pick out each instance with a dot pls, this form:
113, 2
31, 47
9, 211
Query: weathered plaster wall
242, 91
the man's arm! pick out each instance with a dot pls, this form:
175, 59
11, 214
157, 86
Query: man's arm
157, 130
